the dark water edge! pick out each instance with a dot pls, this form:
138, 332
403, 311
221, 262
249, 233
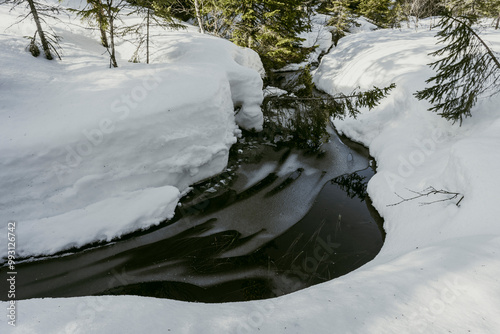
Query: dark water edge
208, 260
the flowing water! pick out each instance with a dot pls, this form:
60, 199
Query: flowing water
279, 219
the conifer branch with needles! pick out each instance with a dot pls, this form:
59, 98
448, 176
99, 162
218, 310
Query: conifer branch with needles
468, 69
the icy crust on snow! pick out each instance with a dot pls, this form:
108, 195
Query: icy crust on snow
89, 153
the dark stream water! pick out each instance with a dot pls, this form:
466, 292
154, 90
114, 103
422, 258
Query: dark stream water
279, 219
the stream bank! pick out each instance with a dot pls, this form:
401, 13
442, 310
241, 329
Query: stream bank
279, 219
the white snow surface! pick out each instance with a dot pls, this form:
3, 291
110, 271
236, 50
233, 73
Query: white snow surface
89, 153
319, 35
439, 269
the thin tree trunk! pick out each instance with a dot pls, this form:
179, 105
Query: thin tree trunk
45, 44
147, 38
102, 25
198, 16
498, 21
111, 34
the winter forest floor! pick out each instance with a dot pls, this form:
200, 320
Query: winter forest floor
88, 153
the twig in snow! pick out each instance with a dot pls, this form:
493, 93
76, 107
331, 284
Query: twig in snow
430, 191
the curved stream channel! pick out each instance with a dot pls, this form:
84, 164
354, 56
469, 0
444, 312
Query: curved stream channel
276, 221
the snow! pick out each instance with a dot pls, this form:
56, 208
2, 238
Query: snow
319, 35
91, 153
362, 25
439, 268
416, 149
274, 91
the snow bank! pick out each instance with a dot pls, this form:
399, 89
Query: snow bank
320, 36
432, 245
439, 269
241, 65
89, 153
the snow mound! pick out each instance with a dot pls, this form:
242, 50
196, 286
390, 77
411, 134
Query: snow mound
242, 66
320, 36
439, 268
90, 153
432, 246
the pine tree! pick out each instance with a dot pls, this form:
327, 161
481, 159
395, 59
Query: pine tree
304, 119
491, 9
104, 13
48, 40
468, 69
463, 7
41, 33
112, 9
94, 11
379, 12
155, 13
342, 17
270, 27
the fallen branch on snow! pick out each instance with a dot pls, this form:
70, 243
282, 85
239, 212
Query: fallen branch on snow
431, 191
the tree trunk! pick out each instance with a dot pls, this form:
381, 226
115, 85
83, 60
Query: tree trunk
101, 20
45, 44
111, 34
498, 21
198, 16
147, 37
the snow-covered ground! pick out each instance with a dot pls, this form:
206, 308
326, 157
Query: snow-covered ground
320, 36
89, 153
439, 269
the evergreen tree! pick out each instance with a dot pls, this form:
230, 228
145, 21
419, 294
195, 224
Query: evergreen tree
468, 69
49, 41
380, 12
491, 9
304, 119
277, 34
155, 13
270, 27
463, 7
94, 11
112, 9
342, 17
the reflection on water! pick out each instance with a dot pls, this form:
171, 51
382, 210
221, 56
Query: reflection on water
278, 220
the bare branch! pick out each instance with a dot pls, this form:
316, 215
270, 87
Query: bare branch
450, 195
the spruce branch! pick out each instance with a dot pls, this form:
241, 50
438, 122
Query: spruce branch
305, 119
467, 70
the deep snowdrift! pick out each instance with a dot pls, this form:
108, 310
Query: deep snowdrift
89, 153
439, 269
